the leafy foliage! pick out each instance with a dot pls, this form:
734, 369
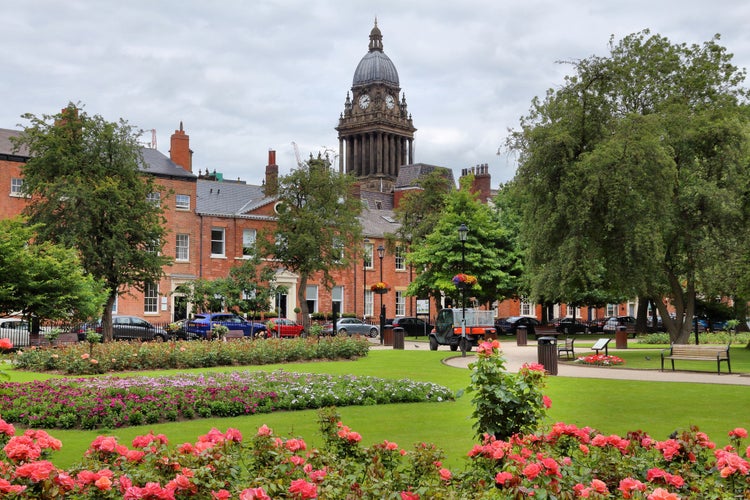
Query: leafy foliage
632, 178
43, 279
95, 358
487, 253
316, 217
505, 403
86, 178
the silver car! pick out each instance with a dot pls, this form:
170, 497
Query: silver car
354, 326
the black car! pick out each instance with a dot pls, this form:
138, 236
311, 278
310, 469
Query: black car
508, 326
126, 328
413, 327
613, 322
570, 325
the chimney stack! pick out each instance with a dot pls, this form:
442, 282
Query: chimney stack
180, 151
271, 187
482, 182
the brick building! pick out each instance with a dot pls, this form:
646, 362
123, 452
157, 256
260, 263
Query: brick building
213, 222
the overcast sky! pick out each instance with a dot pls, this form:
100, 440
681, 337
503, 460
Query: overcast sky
246, 76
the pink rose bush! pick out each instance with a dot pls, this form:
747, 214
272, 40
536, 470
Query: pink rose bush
565, 462
505, 403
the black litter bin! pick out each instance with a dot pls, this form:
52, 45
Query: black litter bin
398, 338
522, 335
547, 354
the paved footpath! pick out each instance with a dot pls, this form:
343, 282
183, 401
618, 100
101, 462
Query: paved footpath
516, 356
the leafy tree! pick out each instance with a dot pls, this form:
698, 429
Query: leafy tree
487, 252
90, 193
43, 280
250, 287
317, 216
205, 295
633, 177
420, 209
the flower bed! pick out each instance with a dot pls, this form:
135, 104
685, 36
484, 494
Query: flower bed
600, 360
87, 359
112, 402
566, 462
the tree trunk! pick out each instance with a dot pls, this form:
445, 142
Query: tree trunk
641, 317
302, 300
107, 318
683, 301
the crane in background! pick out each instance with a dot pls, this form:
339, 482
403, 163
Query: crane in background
300, 163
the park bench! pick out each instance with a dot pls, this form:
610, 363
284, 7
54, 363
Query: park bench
234, 335
66, 338
566, 348
601, 344
690, 352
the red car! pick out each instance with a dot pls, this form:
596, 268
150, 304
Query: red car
283, 327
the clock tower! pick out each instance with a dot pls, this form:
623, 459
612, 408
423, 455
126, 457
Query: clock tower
376, 134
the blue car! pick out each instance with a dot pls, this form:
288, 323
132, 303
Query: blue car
201, 324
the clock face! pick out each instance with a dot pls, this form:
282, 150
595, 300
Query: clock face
364, 101
389, 101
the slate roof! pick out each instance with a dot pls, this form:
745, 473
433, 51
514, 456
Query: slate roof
156, 162
160, 165
408, 174
6, 148
377, 200
229, 198
377, 223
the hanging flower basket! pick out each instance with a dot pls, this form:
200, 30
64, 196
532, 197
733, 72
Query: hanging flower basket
380, 287
462, 280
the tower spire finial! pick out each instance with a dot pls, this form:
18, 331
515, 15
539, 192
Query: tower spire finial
376, 38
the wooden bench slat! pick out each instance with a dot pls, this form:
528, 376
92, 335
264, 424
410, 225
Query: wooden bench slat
689, 352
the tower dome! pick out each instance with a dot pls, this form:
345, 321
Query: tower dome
375, 66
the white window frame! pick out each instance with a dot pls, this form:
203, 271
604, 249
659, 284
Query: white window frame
369, 302
184, 247
151, 298
613, 309
368, 255
400, 259
337, 296
154, 198
16, 186
311, 295
182, 202
248, 242
527, 308
400, 303
222, 241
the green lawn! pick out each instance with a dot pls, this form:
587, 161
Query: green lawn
610, 406
648, 357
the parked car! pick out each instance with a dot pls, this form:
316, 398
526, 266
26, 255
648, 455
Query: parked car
284, 327
201, 324
597, 325
178, 330
413, 327
508, 326
352, 326
613, 322
126, 328
570, 326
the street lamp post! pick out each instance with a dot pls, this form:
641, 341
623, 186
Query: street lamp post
462, 233
364, 281
381, 254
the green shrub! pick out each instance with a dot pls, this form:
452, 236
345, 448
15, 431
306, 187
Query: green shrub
90, 359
